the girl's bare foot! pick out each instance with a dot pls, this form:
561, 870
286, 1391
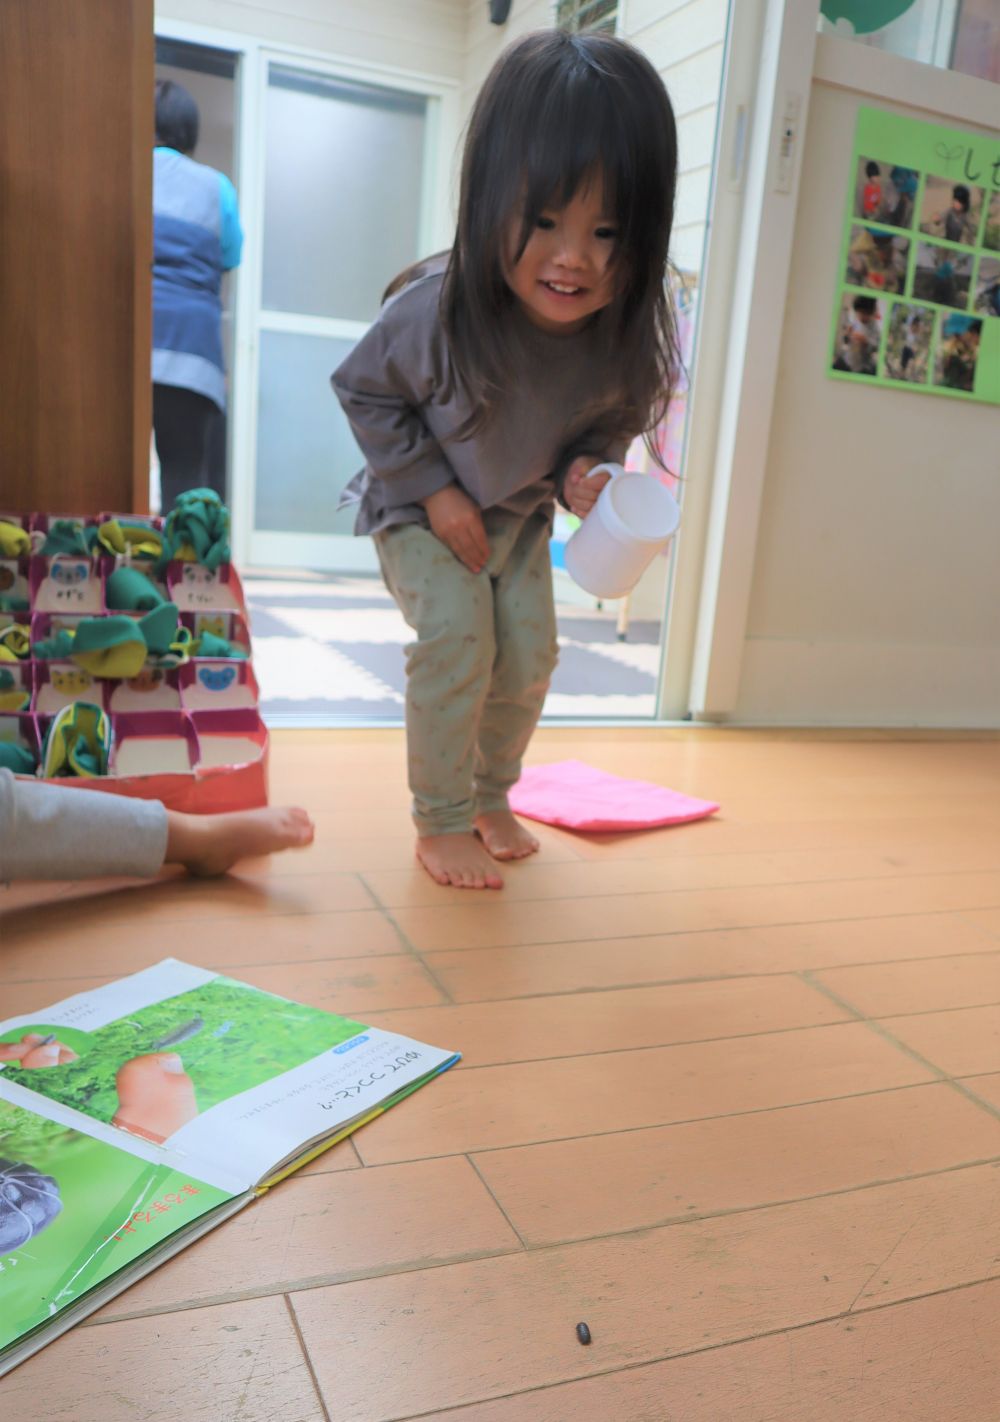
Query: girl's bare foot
208, 845
504, 836
458, 860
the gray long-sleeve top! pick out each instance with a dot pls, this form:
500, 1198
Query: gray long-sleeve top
64, 832
399, 390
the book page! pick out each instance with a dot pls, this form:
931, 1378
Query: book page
78, 1205
227, 1076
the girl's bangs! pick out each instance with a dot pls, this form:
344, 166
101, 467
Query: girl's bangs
581, 147
583, 140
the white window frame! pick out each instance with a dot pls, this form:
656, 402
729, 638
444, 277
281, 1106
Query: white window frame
751, 225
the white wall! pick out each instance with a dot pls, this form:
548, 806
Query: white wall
685, 40
484, 41
876, 589
421, 36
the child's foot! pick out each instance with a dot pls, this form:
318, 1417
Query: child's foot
208, 845
504, 836
458, 860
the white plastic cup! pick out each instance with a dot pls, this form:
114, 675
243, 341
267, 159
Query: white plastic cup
635, 516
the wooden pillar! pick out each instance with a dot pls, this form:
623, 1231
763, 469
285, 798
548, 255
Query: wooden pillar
76, 137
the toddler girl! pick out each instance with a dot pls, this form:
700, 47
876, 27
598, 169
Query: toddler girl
495, 378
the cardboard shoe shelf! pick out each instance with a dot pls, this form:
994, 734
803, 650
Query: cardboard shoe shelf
190, 735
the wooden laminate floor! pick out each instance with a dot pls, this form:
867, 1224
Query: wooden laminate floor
730, 1094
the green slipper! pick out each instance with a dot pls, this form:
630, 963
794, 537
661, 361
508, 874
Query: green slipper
135, 539
197, 530
77, 743
66, 536
15, 642
15, 541
159, 628
57, 648
128, 590
181, 650
110, 646
209, 645
17, 758
13, 697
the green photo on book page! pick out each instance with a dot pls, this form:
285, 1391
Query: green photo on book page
74, 1211
157, 1069
917, 304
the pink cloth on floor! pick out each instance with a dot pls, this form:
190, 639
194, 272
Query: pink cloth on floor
577, 796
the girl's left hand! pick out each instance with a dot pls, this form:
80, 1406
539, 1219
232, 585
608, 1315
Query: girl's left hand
581, 489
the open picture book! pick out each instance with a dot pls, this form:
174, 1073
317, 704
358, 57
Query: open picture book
135, 1117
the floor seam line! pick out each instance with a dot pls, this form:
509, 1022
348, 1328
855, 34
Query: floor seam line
307, 1357
877, 1026
387, 914
743, 1340
634, 985
489, 1190
662, 1125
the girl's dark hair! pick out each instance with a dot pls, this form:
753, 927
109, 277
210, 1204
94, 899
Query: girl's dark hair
556, 111
960, 193
872, 170
176, 116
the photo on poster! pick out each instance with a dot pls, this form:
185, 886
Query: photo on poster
877, 259
885, 192
908, 344
859, 333
987, 300
942, 275
957, 357
991, 232
951, 210
919, 244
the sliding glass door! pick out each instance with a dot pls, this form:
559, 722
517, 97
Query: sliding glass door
344, 207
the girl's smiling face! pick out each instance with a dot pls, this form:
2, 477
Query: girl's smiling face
565, 273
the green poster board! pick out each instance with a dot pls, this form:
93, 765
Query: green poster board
918, 282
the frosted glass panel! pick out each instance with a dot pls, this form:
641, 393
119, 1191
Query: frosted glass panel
305, 450
342, 193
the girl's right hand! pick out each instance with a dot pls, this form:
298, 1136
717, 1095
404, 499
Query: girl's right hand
458, 521
581, 488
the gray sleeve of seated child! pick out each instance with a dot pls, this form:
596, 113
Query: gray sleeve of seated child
57, 832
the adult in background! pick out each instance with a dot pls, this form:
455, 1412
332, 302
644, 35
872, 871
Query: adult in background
196, 237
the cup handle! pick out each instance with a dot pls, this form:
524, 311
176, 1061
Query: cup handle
615, 470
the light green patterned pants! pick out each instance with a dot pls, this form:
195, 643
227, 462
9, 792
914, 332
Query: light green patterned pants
477, 675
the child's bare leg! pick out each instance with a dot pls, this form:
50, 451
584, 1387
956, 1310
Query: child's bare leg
504, 835
208, 845
458, 860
